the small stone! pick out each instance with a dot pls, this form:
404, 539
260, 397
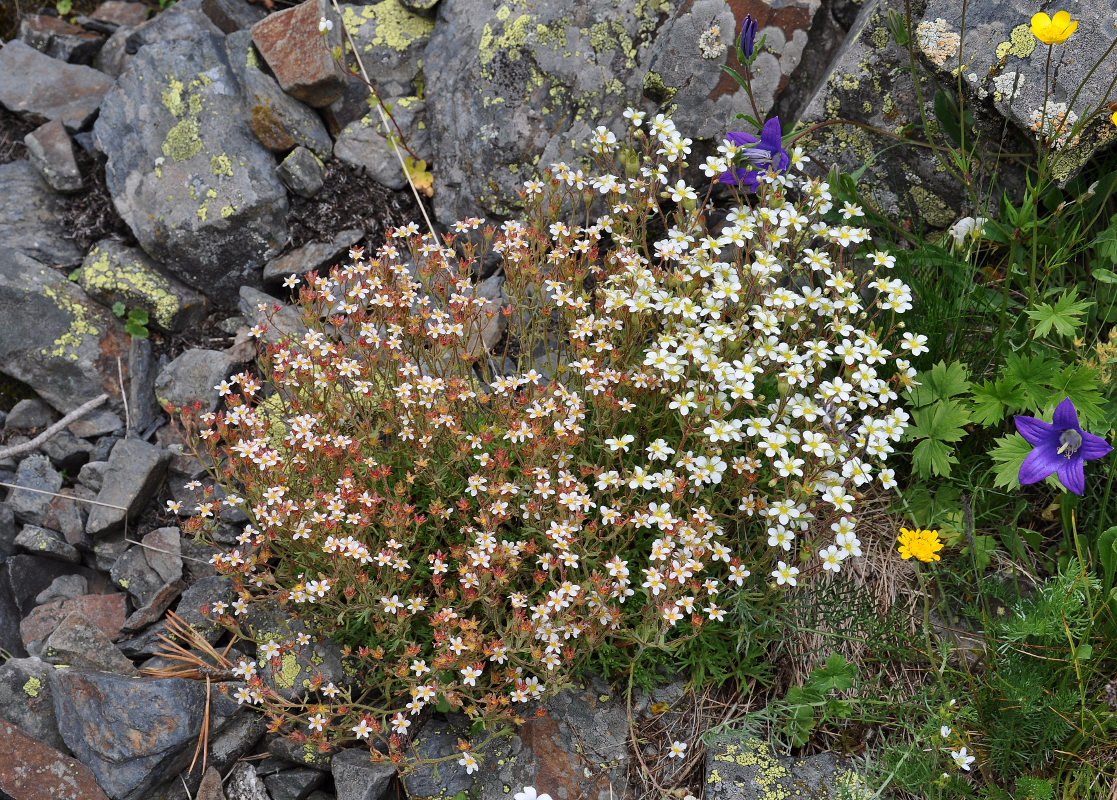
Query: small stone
313, 256
424, 7
210, 787
156, 606
121, 14
244, 784
59, 39
293, 784
29, 211
132, 573
135, 471
302, 173
106, 611
194, 376
92, 474
203, 593
29, 416
96, 424
281, 320
8, 531
299, 55
25, 699
43, 88
64, 587
32, 770
52, 153
232, 15
163, 550
51, 544
77, 642
35, 472
66, 451
362, 143
27, 575
112, 272
67, 516
438, 739
358, 777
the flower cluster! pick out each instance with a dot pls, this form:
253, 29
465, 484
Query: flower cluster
480, 488
919, 544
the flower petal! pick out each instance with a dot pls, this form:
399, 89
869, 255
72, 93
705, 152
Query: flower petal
1039, 463
1036, 431
771, 137
1072, 476
1093, 447
741, 139
1065, 417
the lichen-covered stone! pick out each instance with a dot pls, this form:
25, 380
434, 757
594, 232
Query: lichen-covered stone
747, 769
25, 699
185, 171
77, 642
43, 88
50, 544
279, 121
36, 474
232, 15
194, 376
106, 611
52, 153
299, 55
363, 143
135, 471
357, 777
1004, 64
112, 272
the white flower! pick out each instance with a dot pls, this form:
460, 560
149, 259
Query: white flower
676, 750
469, 762
962, 758
325, 25
945, 730
529, 792
971, 227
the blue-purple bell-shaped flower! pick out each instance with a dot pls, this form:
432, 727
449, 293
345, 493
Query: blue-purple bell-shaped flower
747, 41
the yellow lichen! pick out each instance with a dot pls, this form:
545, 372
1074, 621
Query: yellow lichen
1021, 43
172, 97
396, 27
139, 285
32, 687
66, 345
182, 142
510, 41
221, 165
227, 211
288, 671
933, 208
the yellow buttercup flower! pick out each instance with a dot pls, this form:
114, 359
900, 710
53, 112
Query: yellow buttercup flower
1113, 118
919, 544
1053, 30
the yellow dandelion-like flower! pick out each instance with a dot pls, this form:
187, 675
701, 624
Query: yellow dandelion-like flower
919, 544
1053, 30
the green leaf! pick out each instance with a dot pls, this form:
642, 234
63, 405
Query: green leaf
942, 421
933, 458
1083, 652
1034, 375
1080, 384
1064, 316
1107, 554
1105, 244
64, 7
993, 399
1103, 275
941, 383
75, 275
983, 548
837, 674
119, 308
138, 316
1008, 454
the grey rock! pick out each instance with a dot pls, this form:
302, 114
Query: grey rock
77, 642
196, 559
28, 575
131, 734
67, 515
64, 587
282, 320
54, 338
112, 272
11, 638
747, 769
184, 21
143, 405
293, 784
235, 739
194, 376
8, 531
29, 211
35, 472
59, 39
438, 739
1006, 67
203, 593
97, 424
152, 611
134, 472
120, 13
313, 256
193, 183
357, 777
66, 451
362, 142
113, 57
92, 474
43, 88
245, 784
210, 788
25, 699
279, 121
581, 744
425, 7
163, 551
132, 573
106, 550
103, 448
106, 612
299, 55
304, 755
302, 173
52, 153
50, 544
232, 15
29, 416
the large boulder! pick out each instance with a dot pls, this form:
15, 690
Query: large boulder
185, 171
32, 770
54, 338
43, 88
515, 87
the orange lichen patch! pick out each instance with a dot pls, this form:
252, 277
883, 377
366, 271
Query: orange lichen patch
936, 42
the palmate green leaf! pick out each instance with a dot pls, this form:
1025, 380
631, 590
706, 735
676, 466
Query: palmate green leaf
943, 382
943, 421
992, 400
1105, 244
1080, 384
1034, 375
1065, 316
932, 457
1008, 454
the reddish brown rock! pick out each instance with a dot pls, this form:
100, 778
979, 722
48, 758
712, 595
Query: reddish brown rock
106, 611
299, 55
31, 770
116, 12
43, 88
210, 787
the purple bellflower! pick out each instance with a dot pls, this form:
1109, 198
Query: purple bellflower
1060, 447
765, 153
747, 40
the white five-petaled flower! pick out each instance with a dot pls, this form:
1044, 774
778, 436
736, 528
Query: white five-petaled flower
325, 25
962, 758
676, 750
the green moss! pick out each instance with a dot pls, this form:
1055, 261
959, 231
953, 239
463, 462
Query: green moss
656, 90
182, 142
880, 38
